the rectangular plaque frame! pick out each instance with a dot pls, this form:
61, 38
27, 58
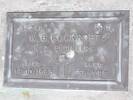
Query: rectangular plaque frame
118, 83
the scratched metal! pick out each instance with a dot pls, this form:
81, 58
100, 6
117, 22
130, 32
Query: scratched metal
73, 50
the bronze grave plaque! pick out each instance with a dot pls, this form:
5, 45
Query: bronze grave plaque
67, 49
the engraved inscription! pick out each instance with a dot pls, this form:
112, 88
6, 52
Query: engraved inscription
65, 49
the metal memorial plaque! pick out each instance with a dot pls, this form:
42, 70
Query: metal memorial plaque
69, 50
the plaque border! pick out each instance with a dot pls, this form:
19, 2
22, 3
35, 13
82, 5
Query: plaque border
120, 84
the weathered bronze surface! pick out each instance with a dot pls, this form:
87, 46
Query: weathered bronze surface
70, 50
